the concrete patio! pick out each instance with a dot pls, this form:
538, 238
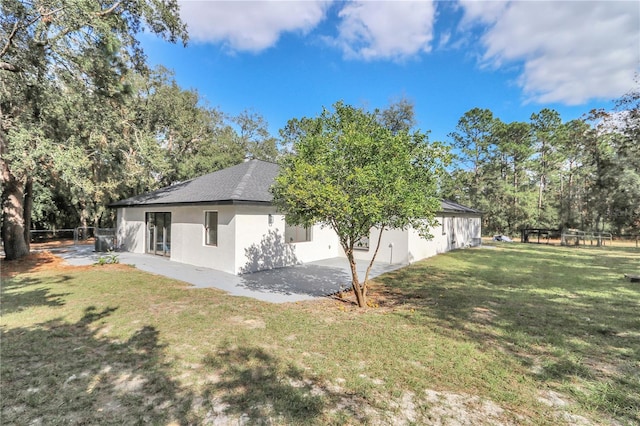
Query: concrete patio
290, 284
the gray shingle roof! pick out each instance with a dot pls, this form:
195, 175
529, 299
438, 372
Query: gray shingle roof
246, 182
451, 207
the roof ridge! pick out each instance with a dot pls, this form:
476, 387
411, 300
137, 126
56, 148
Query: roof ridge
237, 193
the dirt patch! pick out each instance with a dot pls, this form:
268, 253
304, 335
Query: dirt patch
484, 315
448, 408
379, 297
40, 261
34, 262
248, 323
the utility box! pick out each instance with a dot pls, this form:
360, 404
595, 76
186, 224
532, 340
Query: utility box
105, 239
105, 243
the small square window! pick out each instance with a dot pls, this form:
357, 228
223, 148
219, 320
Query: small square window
362, 244
297, 234
211, 228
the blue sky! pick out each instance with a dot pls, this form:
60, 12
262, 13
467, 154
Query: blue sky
286, 59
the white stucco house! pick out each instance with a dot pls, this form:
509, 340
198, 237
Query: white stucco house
225, 220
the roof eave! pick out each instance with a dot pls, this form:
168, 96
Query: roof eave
193, 203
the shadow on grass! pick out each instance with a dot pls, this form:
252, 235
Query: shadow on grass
62, 373
19, 294
71, 373
258, 386
565, 313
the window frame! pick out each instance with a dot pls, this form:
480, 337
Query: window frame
207, 214
365, 246
308, 233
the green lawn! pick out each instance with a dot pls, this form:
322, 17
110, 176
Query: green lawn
521, 334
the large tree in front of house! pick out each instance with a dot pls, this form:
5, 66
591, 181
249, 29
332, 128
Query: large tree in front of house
349, 171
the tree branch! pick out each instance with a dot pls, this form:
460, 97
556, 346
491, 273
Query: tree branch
6, 66
108, 11
47, 14
41, 15
373, 258
9, 40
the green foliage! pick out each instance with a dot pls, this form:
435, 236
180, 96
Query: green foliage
109, 259
181, 137
548, 173
64, 69
253, 137
399, 116
546, 132
474, 140
351, 173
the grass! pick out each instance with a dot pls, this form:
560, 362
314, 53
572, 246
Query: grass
522, 334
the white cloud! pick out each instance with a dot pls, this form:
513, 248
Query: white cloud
486, 12
572, 51
444, 39
393, 30
250, 25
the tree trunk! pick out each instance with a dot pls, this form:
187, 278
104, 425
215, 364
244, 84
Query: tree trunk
13, 226
540, 195
84, 215
355, 282
13, 213
373, 258
515, 193
28, 207
570, 195
543, 182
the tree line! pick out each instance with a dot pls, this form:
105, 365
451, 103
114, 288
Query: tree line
550, 173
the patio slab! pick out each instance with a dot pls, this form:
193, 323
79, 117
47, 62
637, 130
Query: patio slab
290, 284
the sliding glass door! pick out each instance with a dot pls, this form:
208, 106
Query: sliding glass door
158, 233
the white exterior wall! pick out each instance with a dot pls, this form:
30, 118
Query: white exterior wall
454, 231
393, 247
260, 245
130, 229
468, 229
188, 237
324, 244
421, 248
